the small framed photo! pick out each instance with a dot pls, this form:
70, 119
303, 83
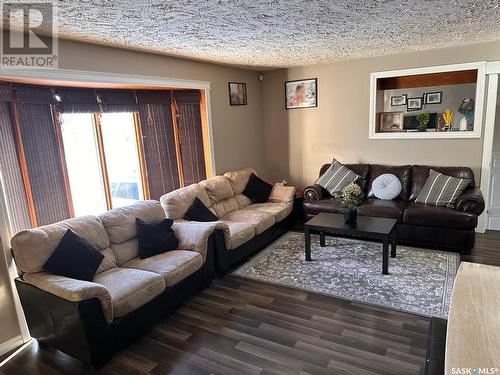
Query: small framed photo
237, 93
391, 122
414, 104
433, 97
398, 100
301, 93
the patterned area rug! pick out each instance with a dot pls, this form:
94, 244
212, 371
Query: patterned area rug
420, 281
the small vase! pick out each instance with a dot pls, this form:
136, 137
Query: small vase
422, 128
351, 216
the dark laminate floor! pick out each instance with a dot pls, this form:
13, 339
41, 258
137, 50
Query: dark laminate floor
244, 327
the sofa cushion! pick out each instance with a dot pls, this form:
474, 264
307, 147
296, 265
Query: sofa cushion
225, 206
336, 177
323, 205
130, 288
74, 257
257, 189
199, 212
174, 265
279, 210
282, 194
438, 216
242, 201
239, 233
386, 186
218, 188
239, 179
362, 170
441, 190
120, 224
33, 247
402, 172
155, 237
259, 220
420, 173
177, 202
383, 208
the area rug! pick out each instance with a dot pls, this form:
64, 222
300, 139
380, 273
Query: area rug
420, 280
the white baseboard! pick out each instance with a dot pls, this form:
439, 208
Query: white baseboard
11, 344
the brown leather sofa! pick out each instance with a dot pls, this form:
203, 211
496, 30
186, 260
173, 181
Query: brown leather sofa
418, 224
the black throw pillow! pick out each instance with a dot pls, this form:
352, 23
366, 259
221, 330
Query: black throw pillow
199, 212
74, 257
257, 189
155, 237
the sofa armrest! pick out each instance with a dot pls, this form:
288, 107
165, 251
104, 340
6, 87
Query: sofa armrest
282, 194
72, 290
471, 200
313, 193
193, 235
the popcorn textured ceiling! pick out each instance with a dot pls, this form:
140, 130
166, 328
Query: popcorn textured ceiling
279, 33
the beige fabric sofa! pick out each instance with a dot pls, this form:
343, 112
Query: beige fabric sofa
123, 286
244, 227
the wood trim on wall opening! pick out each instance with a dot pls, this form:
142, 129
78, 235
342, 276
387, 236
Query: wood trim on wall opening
173, 111
56, 121
102, 159
142, 163
205, 134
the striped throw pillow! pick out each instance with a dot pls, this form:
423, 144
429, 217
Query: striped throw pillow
336, 177
441, 190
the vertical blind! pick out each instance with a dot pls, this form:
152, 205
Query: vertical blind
30, 141
190, 136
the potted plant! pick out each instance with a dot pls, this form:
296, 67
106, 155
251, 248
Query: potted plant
352, 197
422, 119
448, 119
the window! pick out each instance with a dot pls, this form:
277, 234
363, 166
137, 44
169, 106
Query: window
122, 158
73, 151
83, 164
102, 161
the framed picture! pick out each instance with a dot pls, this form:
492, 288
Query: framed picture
398, 100
433, 97
301, 93
391, 122
237, 93
414, 104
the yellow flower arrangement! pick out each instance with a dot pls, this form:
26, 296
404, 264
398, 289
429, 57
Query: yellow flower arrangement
447, 117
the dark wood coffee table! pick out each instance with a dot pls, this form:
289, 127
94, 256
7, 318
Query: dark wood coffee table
366, 228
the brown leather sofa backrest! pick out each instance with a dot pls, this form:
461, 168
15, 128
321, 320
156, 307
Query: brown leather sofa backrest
362, 170
419, 174
403, 172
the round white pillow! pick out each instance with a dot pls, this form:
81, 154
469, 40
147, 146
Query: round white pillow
386, 186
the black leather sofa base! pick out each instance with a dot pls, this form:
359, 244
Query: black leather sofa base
436, 347
79, 328
225, 259
457, 240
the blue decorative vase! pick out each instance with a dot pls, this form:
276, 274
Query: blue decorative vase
351, 216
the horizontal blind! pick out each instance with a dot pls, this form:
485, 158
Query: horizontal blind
158, 143
73, 100
190, 136
43, 163
11, 172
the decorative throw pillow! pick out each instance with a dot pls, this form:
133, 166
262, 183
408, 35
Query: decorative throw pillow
441, 190
155, 237
199, 212
336, 177
386, 186
257, 189
74, 257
